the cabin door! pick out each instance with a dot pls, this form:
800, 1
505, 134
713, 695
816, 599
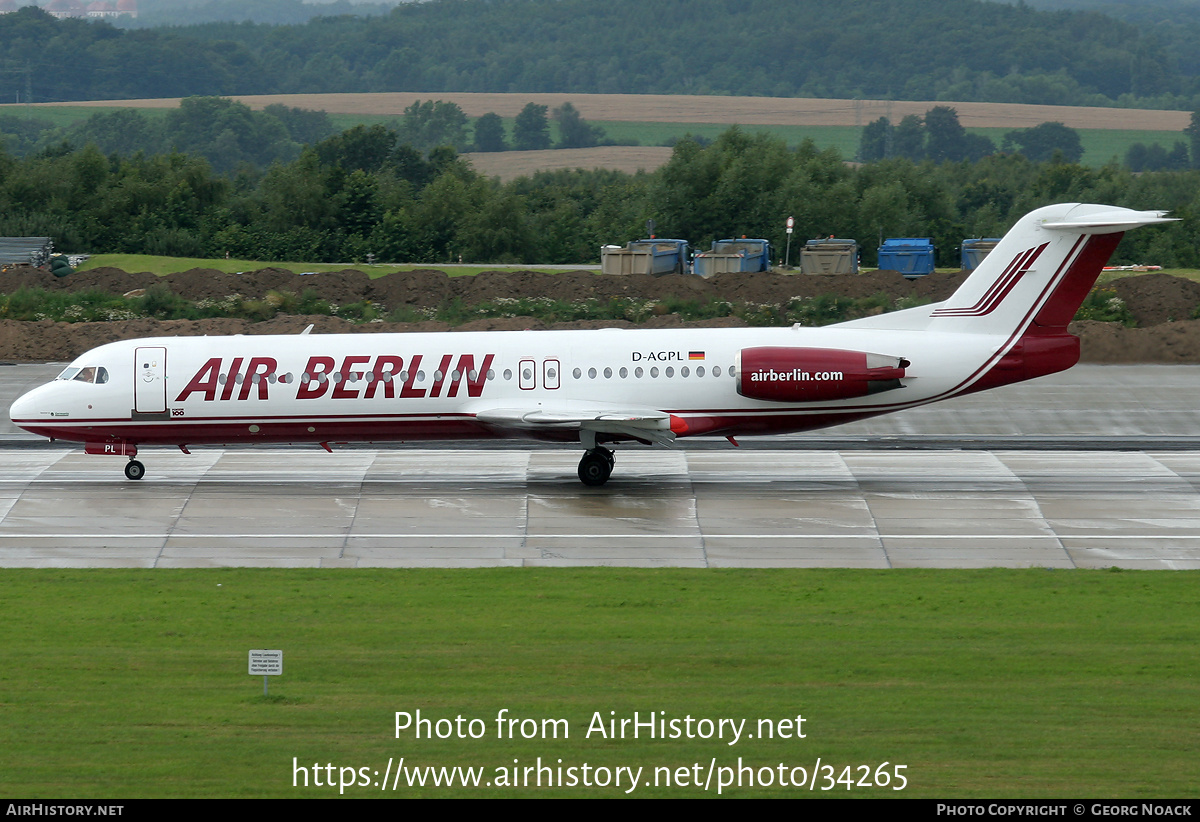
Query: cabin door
150, 380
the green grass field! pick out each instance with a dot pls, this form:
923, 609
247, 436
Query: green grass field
170, 265
981, 683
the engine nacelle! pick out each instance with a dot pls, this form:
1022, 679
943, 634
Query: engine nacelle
815, 374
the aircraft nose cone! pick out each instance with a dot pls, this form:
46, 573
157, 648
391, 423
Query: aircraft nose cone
23, 409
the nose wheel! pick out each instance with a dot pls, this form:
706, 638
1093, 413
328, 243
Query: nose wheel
596, 466
134, 470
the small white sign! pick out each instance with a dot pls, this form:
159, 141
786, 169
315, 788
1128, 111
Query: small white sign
266, 663
791, 222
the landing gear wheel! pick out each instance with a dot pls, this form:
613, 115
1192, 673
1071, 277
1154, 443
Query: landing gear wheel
596, 466
134, 470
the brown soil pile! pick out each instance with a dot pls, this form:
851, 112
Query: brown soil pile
1158, 298
429, 288
1162, 304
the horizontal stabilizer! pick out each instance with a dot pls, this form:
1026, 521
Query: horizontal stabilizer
1106, 222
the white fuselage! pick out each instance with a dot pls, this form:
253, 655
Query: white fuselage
1007, 322
383, 387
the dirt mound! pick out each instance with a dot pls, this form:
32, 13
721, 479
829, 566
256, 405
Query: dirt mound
421, 288
108, 280
1158, 298
210, 284
1162, 304
338, 287
1171, 343
775, 288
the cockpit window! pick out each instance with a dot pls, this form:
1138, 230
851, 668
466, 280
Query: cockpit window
92, 373
68, 373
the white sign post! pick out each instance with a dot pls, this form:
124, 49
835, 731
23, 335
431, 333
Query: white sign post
266, 663
787, 257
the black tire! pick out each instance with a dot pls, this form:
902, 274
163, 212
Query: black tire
134, 470
595, 468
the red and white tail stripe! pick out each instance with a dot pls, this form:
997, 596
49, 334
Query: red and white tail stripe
1016, 269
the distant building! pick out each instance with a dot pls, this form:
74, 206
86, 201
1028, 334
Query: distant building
96, 10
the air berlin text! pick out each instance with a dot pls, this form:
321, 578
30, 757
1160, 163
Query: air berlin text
358, 377
795, 375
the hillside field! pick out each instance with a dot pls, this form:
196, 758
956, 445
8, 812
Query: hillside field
651, 120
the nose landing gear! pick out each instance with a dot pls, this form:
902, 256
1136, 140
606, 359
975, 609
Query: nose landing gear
596, 466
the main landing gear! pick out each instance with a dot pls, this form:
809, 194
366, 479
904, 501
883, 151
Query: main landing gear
596, 466
134, 470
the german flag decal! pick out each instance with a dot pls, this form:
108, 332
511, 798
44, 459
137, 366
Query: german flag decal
695, 355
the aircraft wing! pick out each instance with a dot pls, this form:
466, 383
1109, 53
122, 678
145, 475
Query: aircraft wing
638, 423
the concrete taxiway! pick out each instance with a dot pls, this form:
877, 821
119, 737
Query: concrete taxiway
1023, 476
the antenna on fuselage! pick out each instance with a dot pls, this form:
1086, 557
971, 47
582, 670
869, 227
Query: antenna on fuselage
305, 331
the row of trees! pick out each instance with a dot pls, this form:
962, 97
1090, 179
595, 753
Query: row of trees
940, 137
952, 50
365, 192
531, 130
230, 135
1154, 157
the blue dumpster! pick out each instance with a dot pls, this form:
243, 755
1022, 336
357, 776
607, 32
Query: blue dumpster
911, 256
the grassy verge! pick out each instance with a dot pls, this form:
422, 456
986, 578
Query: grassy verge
982, 683
171, 265
160, 302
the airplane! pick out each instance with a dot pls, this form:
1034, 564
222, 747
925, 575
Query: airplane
1006, 323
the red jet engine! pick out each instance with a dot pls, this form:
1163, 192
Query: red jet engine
815, 374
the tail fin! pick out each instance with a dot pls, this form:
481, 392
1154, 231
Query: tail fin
1040, 274
1037, 276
